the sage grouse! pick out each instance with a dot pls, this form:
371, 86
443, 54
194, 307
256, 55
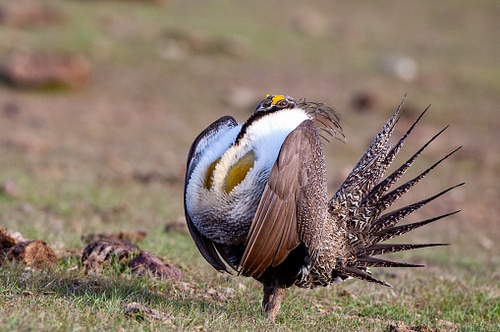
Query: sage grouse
256, 199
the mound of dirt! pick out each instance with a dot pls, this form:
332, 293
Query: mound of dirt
14, 248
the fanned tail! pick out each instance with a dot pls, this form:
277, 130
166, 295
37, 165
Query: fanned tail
365, 194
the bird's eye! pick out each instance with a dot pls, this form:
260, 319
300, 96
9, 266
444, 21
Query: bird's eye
282, 103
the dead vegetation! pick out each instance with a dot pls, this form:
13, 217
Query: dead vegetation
102, 251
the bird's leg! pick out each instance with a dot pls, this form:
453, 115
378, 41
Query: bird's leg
271, 303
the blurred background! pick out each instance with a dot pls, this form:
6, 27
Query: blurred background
100, 101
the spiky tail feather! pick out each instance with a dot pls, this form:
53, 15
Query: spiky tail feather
364, 195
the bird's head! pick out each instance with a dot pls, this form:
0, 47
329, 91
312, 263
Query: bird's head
275, 103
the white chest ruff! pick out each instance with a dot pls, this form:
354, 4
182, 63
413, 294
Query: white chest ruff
225, 217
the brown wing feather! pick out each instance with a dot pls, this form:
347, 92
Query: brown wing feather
274, 232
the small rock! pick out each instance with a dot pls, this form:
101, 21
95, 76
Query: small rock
147, 263
44, 70
404, 67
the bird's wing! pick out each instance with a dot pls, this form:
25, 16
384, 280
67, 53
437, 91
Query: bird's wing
276, 229
211, 134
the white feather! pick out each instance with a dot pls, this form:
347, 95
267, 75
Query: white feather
265, 137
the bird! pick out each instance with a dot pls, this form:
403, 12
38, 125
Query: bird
256, 199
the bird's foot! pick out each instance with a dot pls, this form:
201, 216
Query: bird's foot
271, 303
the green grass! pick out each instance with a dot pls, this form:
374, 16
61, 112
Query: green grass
140, 112
67, 300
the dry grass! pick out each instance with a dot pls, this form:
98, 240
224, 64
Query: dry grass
111, 157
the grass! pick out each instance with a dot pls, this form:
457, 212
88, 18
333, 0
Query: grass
79, 153
67, 300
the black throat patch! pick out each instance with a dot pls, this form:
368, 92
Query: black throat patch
254, 117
